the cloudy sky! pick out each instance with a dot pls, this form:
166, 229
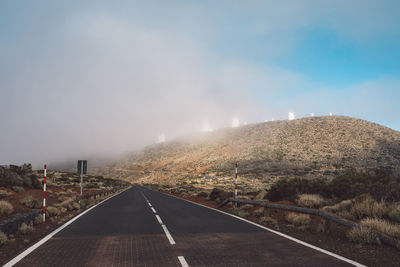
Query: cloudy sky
99, 77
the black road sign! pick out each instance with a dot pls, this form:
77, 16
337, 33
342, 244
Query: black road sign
82, 166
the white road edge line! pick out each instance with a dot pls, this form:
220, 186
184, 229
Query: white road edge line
46, 238
183, 261
154, 211
278, 233
169, 236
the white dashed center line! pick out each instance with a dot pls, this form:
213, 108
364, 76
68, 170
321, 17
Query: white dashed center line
159, 220
183, 261
169, 236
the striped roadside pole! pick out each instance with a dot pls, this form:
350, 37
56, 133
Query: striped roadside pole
44, 193
236, 172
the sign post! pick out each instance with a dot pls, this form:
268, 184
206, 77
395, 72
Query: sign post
236, 180
82, 169
44, 192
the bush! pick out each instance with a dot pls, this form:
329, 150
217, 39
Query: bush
12, 178
259, 212
394, 212
381, 226
287, 189
52, 211
4, 193
298, 219
18, 189
30, 202
310, 200
75, 206
25, 229
6, 207
379, 185
344, 205
266, 220
366, 206
38, 219
362, 235
3, 239
64, 198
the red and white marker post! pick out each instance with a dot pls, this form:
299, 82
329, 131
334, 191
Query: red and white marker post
44, 193
236, 179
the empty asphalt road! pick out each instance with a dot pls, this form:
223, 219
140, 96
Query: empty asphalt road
140, 227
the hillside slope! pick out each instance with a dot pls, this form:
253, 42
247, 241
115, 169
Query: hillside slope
309, 147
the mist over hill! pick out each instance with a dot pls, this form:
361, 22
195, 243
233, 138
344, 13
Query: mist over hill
309, 148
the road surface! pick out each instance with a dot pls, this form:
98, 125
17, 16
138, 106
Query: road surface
140, 227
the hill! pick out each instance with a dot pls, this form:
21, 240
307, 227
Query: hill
308, 148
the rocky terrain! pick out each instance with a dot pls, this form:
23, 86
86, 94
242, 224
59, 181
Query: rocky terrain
316, 147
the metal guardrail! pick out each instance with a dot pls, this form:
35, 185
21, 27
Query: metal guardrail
387, 240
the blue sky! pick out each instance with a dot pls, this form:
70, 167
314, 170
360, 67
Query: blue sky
137, 69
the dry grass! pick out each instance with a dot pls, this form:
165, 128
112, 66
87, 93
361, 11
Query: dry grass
310, 200
344, 205
52, 211
3, 239
298, 219
369, 207
382, 226
6, 207
362, 235
25, 229
31, 202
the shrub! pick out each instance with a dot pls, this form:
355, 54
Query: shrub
298, 219
394, 212
287, 189
258, 212
25, 229
266, 220
381, 226
310, 200
38, 219
366, 206
18, 189
3, 239
12, 178
83, 203
362, 235
75, 206
344, 205
52, 211
4, 193
246, 207
30, 202
6, 207
64, 198
380, 185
